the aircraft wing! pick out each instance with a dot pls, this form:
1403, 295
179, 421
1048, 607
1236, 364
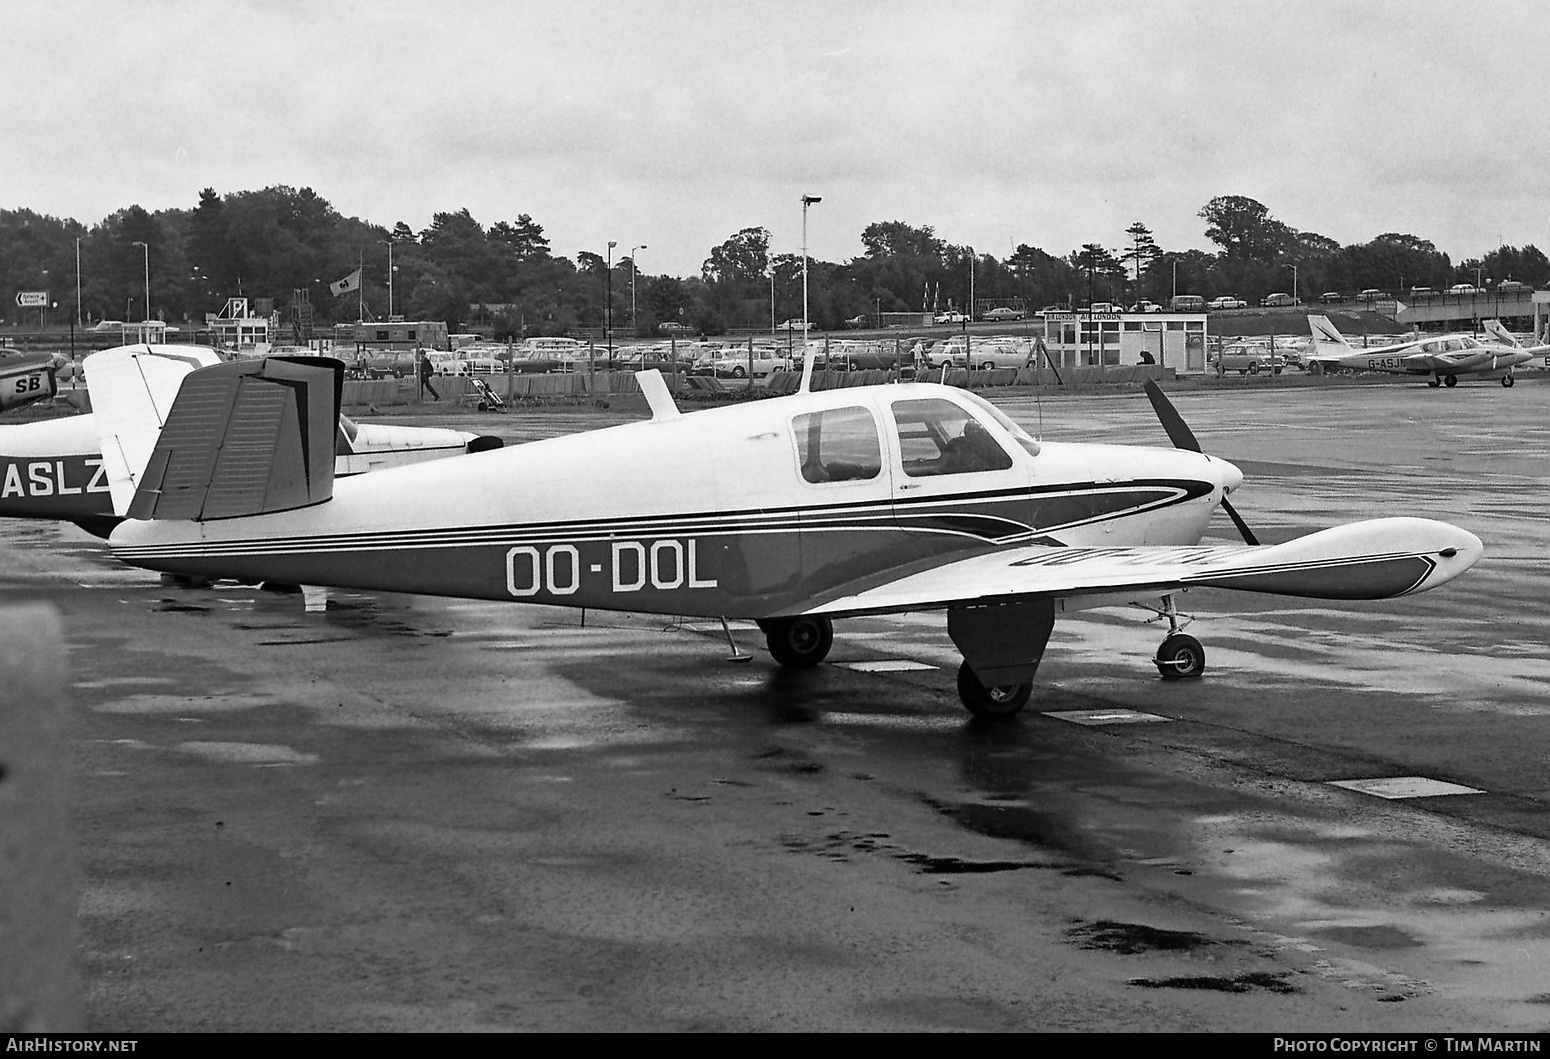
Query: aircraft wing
1375, 559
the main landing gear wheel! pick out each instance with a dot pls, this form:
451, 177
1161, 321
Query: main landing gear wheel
1451, 380
1507, 380
994, 703
1180, 657
798, 642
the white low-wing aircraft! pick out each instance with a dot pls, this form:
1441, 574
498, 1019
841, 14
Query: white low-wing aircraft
54, 468
792, 511
1441, 359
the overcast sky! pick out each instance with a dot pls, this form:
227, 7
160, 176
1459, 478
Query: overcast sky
676, 124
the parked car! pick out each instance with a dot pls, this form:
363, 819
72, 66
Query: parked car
381, 363
1278, 300
1422, 292
1145, 306
952, 316
479, 364
734, 363
856, 321
1331, 296
660, 359
1227, 301
1464, 290
1187, 303
673, 327
1001, 312
1248, 359
1371, 294
1103, 307
1513, 285
986, 354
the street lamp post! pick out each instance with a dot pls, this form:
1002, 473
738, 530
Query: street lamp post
807, 200
772, 299
1294, 283
389, 244
608, 309
634, 323
969, 316
147, 250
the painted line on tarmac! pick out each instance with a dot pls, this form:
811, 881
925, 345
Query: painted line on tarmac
886, 665
1097, 717
1394, 787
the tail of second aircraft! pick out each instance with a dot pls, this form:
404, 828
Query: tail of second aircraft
1496, 330
242, 438
1326, 337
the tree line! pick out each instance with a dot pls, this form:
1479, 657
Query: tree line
290, 246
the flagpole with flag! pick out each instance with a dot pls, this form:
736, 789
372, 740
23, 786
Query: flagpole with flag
349, 283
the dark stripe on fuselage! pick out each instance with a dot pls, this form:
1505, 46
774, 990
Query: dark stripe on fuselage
1052, 508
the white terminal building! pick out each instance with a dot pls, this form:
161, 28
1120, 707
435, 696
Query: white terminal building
1174, 340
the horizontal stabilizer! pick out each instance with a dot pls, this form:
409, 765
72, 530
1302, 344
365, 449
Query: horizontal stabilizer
245, 438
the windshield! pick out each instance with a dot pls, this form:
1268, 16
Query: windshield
1018, 433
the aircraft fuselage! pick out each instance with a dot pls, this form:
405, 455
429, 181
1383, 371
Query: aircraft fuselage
742, 511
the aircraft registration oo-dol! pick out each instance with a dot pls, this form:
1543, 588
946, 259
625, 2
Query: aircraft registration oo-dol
793, 511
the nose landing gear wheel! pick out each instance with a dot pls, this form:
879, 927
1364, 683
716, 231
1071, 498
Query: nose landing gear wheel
1180, 657
798, 642
1507, 380
996, 703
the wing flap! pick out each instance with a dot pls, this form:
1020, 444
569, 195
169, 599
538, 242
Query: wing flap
1375, 559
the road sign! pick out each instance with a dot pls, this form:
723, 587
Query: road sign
33, 298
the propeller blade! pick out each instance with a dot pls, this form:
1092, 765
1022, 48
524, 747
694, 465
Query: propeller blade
1178, 431
1183, 438
1237, 520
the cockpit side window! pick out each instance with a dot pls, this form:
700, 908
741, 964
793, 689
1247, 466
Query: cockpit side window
939, 437
838, 445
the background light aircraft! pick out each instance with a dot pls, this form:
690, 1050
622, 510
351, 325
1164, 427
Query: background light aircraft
25, 378
53, 469
1539, 356
1441, 358
792, 511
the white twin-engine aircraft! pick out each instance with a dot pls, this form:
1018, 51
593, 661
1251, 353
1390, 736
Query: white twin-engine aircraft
53, 468
1441, 359
792, 511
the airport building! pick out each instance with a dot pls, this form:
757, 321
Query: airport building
1174, 340
394, 333
239, 329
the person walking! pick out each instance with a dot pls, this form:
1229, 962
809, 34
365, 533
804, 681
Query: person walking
426, 371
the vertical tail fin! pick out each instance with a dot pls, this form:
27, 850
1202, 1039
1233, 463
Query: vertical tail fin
1496, 330
133, 389
1325, 333
243, 438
